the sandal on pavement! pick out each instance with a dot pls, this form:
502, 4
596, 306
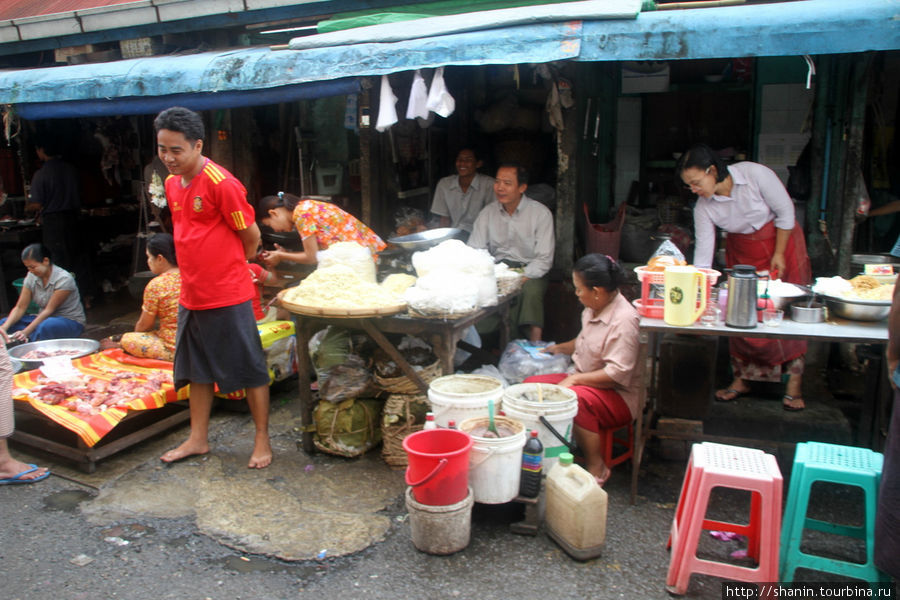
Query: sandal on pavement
18, 478
792, 403
733, 393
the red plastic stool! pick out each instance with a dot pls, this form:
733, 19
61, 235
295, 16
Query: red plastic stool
718, 465
610, 440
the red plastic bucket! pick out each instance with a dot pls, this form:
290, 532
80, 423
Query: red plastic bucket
438, 470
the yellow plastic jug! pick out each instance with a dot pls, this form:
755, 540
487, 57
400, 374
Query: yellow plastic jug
685, 295
576, 509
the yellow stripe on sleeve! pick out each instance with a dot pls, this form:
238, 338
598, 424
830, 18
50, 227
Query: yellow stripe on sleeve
214, 173
238, 218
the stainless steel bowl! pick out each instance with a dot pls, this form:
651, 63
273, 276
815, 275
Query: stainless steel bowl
858, 310
802, 312
16, 364
83, 347
425, 239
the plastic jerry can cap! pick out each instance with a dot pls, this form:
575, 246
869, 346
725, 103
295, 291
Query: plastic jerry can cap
566, 458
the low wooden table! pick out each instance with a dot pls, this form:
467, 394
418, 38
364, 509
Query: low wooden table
442, 334
35, 430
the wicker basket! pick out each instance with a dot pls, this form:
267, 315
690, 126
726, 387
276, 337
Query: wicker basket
408, 421
405, 385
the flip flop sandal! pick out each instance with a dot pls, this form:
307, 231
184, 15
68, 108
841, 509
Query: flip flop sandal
17, 479
735, 394
788, 407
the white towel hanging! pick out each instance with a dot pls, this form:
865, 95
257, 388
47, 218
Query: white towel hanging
418, 98
439, 98
387, 109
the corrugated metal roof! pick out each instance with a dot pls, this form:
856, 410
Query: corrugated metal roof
21, 9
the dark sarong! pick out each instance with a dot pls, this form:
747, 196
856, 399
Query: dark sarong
220, 346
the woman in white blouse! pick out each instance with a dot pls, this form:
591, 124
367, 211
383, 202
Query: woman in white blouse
750, 203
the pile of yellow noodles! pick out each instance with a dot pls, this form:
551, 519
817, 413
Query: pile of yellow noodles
866, 287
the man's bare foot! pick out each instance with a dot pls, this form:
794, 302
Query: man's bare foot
186, 449
262, 453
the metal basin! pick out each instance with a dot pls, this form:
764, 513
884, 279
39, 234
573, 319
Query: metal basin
425, 239
807, 313
858, 310
16, 364
79, 347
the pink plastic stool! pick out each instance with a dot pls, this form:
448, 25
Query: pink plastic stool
718, 465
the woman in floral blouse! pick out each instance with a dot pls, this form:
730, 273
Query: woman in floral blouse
320, 224
160, 302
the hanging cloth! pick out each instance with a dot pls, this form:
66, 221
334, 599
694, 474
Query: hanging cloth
418, 98
439, 99
387, 109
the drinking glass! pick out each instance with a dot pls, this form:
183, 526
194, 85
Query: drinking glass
773, 318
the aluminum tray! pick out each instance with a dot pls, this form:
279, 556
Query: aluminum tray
425, 239
82, 345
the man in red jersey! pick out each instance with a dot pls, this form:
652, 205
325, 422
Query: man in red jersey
215, 233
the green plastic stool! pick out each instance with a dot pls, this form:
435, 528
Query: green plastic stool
846, 465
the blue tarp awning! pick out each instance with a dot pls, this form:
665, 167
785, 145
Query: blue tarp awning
253, 76
780, 29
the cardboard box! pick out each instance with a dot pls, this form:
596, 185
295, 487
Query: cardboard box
61, 55
138, 47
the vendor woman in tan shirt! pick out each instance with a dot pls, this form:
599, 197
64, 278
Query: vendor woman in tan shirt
605, 355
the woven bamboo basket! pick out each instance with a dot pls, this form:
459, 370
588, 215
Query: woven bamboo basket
409, 419
404, 385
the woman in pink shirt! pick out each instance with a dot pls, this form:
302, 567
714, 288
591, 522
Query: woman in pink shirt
748, 201
605, 355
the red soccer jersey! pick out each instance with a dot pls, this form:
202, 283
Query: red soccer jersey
258, 275
206, 216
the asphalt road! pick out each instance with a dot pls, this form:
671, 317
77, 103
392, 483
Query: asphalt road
51, 549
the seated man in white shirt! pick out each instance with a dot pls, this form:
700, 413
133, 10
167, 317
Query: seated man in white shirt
458, 199
519, 231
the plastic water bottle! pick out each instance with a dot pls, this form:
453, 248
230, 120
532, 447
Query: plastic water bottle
532, 460
429, 422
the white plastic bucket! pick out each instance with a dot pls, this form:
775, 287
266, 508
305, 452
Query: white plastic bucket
459, 397
559, 407
495, 464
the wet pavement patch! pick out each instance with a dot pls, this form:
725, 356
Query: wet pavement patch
67, 500
253, 564
129, 531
